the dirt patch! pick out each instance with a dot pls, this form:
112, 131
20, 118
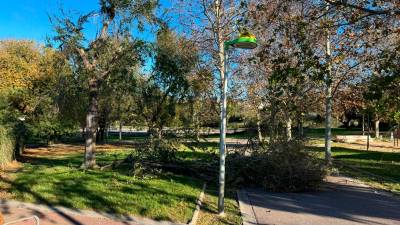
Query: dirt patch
67, 149
5, 173
4, 194
381, 146
11, 167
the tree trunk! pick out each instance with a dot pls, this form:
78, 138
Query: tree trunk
260, 137
289, 129
328, 124
377, 128
98, 135
83, 132
300, 128
102, 123
107, 131
223, 113
363, 125
369, 131
91, 127
120, 130
19, 141
159, 133
102, 134
197, 128
195, 119
272, 123
19, 148
328, 99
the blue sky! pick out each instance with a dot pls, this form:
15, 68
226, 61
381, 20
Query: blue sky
28, 19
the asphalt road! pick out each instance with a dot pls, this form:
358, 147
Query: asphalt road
340, 201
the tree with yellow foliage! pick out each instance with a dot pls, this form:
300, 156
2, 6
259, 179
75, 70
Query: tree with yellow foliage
18, 63
30, 77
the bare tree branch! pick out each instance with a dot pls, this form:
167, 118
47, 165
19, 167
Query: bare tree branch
364, 9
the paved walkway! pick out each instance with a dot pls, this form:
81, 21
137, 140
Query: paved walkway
13, 210
341, 201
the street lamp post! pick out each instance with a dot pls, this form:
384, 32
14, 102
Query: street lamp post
245, 41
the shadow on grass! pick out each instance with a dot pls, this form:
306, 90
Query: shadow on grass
320, 132
40, 198
58, 181
385, 164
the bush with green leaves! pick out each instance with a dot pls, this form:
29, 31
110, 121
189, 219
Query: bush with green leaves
396, 117
281, 166
160, 150
149, 159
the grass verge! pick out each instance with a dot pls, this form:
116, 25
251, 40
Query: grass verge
379, 169
209, 210
57, 180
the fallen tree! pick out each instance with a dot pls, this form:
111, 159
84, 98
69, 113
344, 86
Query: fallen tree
283, 166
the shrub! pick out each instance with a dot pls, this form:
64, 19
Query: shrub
6, 146
282, 166
152, 158
161, 150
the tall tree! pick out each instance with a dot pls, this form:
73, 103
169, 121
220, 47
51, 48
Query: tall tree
19, 64
31, 75
200, 99
210, 23
175, 59
96, 59
383, 87
286, 69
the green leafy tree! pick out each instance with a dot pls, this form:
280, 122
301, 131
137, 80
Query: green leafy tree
286, 69
97, 59
31, 105
175, 58
117, 102
382, 94
202, 108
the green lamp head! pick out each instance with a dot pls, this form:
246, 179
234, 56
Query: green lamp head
246, 40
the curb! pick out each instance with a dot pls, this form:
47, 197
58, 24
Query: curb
195, 216
246, 209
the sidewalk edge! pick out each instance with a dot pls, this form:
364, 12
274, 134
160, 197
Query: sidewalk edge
246, 209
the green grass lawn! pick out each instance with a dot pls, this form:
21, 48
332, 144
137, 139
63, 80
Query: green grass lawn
59, 181
386, 165
207, 152
125, 137
209, 210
